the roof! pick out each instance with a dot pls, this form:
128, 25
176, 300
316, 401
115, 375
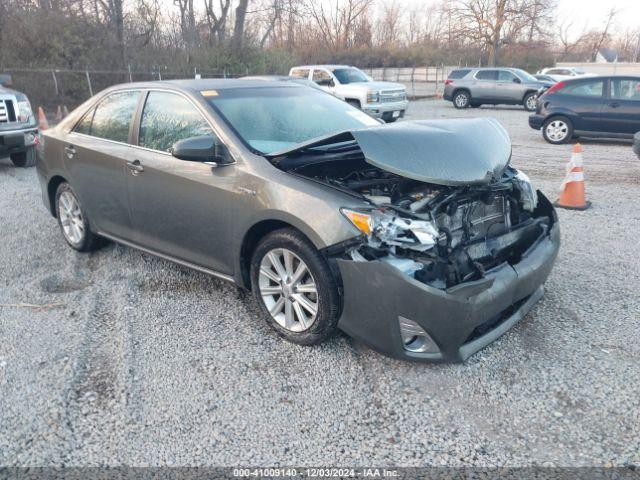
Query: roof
324, 66
199, 85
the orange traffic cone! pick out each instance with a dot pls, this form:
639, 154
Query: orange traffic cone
572, 194
59, 114
42, 119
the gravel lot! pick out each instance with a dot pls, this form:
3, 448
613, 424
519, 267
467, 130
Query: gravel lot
141, 362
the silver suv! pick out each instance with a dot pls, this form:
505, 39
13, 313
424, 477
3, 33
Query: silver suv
472, 87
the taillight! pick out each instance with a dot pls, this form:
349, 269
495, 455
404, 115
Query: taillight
448, 81
556, 87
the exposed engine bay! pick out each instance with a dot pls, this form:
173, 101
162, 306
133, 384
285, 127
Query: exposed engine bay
440, 234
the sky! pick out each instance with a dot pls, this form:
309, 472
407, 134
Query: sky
593, 13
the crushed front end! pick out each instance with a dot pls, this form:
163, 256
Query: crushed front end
455, 244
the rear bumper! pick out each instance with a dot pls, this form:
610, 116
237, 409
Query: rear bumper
536, 121
461, 320
14, 141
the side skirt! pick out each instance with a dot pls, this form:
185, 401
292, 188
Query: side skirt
184, 263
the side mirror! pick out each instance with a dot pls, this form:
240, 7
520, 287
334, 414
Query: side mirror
326, 82
517, 80
205, 149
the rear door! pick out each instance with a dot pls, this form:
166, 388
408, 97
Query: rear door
179, 208
483, 85
585, 99
96, 152
621, 111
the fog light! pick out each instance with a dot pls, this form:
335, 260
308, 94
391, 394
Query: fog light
415, 339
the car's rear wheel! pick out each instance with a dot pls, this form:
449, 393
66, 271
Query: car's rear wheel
24, 159
461, 99
557, 130
530, 102
295, 288
73, 221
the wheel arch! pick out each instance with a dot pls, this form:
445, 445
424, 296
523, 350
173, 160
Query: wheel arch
52, 188
461, 89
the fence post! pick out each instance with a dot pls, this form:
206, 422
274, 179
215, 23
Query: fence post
89, 83
55, 82
159, 75
130, 77
224, 72
413, 84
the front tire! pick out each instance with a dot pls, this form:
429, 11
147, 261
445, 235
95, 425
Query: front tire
295, 288
557, 130
73, 221
530, 102
461, 99
24, 159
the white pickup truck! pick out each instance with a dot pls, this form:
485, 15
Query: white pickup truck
384, 100
18, 129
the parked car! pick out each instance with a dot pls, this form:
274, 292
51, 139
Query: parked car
564, 73
545, 78
636, 144
607, 107
385, 100
18, 128
419, 238
473, 87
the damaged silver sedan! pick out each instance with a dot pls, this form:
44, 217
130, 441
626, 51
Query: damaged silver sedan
418, 238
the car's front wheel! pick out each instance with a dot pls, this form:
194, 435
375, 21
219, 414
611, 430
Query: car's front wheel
24, 159
73, 222
461, 99
557, 130
530, 102
295, 288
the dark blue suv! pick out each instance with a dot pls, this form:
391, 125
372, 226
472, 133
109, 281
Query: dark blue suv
606, 107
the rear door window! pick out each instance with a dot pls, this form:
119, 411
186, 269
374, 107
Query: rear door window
300, 73
584, 89
113, 116
168, 117
625, 89
487, 75
455, 74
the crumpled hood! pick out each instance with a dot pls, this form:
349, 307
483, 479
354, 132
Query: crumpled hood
444, 152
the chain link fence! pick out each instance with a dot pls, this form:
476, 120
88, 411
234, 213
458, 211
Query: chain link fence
50, 88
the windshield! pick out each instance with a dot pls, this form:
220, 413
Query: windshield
350, 75
269, 119
527, 77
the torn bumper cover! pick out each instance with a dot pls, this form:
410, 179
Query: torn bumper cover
382, 304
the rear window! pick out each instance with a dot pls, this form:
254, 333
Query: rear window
455, 74
300, 73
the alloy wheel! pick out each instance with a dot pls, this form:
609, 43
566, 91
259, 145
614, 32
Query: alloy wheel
531, 103
71, 218
557, 130
288, 290
461, 100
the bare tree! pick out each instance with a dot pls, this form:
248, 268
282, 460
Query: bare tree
336, 20
238, 30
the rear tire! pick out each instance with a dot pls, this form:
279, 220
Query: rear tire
461, 99
302, 310
557, 130
530, 102
73, 221
24, 159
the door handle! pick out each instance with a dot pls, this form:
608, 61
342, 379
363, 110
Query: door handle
70, 150
614, 104
135, 167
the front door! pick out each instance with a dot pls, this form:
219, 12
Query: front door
509, 87
179, 208
621, 111
324, 80
96, 154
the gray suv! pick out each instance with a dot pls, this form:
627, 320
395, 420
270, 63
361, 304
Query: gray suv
472, 87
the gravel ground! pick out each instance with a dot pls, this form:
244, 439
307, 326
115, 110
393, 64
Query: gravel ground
137, 361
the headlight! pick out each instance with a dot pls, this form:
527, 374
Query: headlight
25, 114
373, 97
527, 191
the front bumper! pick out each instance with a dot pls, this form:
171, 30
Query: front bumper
385, 110
535, 121
17, 140
461, 320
